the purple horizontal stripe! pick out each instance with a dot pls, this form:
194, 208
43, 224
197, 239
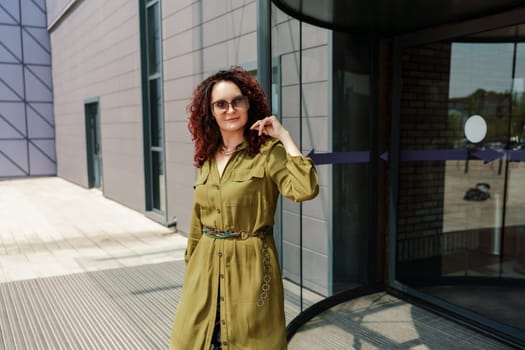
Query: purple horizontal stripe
442, 154
340, 157
487, 155
516, 155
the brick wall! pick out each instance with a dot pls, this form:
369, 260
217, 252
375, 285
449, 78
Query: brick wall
423, 125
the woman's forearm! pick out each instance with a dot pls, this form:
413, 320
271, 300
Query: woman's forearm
289, 144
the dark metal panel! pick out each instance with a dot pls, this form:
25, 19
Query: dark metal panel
388, 17
264, 48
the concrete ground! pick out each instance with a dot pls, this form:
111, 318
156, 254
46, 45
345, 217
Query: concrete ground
50, 227
79, 271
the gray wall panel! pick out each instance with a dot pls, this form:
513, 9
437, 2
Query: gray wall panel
11, 43
314, 264
248, 53
33, 14
44, 110
10, 76
6, 17
7, 93
36, 88
16, 152
47, 147
40, 161
8, 130
12, 113
38, 127
11, 10
27, 139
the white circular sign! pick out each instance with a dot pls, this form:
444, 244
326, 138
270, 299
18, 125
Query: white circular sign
475, 128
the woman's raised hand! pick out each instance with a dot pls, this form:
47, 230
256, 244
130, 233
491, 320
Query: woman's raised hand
272, 127
269, 126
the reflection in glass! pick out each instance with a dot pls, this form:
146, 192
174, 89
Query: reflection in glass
514, 243
153, 41
352, 182
155, 104
303, 265
157, 180
285, 43
461, 223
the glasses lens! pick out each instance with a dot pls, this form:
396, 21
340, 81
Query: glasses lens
221, 105
240, 102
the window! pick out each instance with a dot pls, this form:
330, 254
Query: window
153, 121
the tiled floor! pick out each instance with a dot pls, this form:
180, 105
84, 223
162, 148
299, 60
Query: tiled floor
380, 321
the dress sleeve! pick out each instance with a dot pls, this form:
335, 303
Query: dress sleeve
295, 177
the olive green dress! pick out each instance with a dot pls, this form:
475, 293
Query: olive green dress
242, 273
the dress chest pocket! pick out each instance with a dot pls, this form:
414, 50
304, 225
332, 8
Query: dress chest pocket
246, 187
202, 178
243, 175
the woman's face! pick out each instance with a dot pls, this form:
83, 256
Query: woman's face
229, 107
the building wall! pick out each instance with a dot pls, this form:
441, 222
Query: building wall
96, 53
95, 49
56, 7
199, 38
27, 134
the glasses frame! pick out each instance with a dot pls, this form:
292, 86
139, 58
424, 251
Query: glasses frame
234, 103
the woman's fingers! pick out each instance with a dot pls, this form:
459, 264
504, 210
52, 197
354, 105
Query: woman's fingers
262, 125
259, 126
265, 125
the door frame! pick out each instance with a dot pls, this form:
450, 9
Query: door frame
90, 147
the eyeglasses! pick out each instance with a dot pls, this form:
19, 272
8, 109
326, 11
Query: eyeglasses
238, 103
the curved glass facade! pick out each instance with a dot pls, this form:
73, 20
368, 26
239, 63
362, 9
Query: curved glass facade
454, 235
321, 88
301, 101
461, 219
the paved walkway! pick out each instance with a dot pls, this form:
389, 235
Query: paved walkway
79, 271
50, 227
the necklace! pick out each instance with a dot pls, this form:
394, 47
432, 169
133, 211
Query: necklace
227, 152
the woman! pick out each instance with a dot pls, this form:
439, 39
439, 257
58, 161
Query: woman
232, 294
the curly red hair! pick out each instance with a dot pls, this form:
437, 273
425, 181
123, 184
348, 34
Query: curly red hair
203, 128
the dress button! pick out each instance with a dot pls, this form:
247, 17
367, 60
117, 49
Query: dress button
221, 275
219, 254
224, 343
223, 322
218, 211
222, 298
